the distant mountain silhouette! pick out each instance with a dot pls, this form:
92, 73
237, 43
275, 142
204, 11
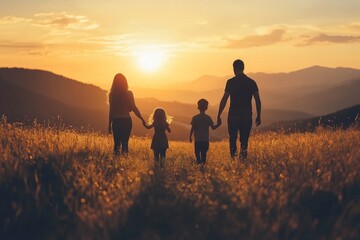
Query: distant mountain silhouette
277, 90
312, 76
56, 87
342, 119
328, 100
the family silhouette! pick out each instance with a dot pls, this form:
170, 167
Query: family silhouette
241, 89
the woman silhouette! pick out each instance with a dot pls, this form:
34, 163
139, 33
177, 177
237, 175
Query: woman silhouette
121, 102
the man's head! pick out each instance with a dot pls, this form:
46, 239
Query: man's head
238, 66
203, 104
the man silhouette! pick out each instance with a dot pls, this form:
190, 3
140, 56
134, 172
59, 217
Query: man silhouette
241, 89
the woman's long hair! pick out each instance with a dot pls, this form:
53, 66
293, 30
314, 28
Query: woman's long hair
118, 87
159, 117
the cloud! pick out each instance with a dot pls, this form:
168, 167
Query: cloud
20, 45
61, 20
275, 36
64, 20
322, 37
13, 20
25, 48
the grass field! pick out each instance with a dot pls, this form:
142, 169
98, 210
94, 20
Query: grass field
60, 184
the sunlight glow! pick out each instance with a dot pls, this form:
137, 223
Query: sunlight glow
150, 60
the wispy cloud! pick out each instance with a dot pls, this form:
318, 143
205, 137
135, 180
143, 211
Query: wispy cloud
64, 20
20, 45
322, 37
354, 26
275, 36
25, 48
13, 20
296, 35
60, 20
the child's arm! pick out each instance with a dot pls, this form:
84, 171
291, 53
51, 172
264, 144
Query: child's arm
191, 133
168, 129
148, 126
213, 127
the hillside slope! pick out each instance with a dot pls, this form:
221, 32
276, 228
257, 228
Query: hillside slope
22, 105
56, 87
341, 119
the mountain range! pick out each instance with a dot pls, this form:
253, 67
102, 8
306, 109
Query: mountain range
338, 88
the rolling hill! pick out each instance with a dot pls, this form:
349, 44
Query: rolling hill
22, 105
341, 119
56, 87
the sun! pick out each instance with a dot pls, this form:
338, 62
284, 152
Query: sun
150, 60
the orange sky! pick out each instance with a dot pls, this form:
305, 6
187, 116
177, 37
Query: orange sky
157, 42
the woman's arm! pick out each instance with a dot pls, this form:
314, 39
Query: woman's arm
138, 114
135, 109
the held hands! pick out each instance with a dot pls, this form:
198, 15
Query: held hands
258, 121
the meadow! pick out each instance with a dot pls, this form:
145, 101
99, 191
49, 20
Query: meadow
58, 183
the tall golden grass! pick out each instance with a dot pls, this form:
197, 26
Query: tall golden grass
58, 183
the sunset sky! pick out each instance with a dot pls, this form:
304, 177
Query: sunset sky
155, 43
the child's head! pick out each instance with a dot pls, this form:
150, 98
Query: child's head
159, 116
203, 104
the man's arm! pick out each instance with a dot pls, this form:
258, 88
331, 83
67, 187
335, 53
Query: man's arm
258, 108
222, 105
191, 133
148, 126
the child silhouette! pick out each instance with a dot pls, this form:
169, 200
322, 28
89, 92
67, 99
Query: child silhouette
200, 124
160, 121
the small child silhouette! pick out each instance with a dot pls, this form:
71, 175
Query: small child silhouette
160, 121
200, 124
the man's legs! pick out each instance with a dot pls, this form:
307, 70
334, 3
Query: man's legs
233, 130
245, 129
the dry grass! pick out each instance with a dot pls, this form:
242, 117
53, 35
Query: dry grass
62, 184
